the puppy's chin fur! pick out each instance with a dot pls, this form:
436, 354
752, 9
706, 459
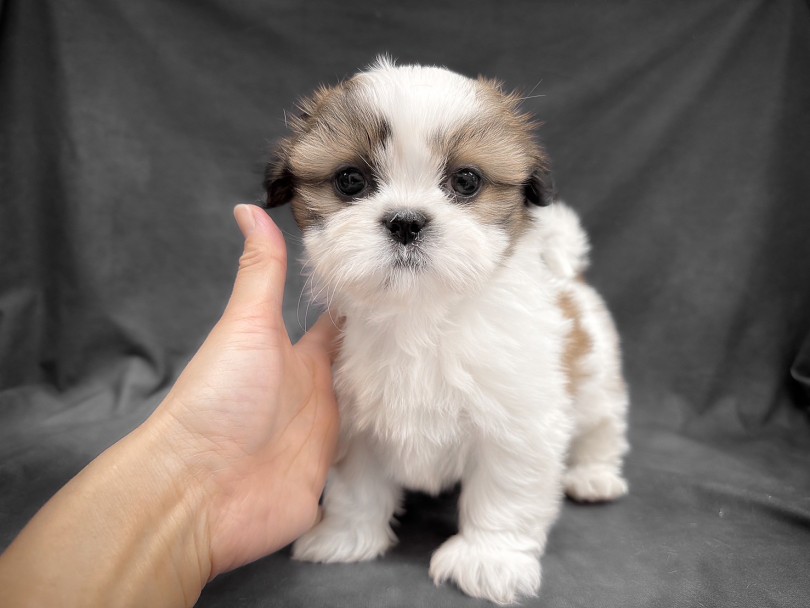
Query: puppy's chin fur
472, 349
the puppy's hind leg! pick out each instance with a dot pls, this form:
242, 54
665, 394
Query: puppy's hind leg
600, 402
595, 463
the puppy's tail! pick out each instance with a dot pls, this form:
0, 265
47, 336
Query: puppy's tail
565, 245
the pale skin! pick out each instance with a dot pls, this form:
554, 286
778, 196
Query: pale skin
228, 468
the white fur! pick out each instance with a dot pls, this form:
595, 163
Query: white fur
453, 372
565, 244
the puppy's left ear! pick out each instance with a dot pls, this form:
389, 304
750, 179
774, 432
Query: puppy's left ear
539, 188
279, 181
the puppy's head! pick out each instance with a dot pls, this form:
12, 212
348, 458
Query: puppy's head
409, 182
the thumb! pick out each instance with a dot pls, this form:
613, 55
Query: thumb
259, 286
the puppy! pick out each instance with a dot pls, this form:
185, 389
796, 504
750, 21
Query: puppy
472, 349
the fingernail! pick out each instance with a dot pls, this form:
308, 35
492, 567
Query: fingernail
244, 218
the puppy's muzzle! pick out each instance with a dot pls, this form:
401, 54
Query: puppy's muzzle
405, 225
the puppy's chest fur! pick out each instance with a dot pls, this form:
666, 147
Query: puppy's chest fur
406, 405
422, 387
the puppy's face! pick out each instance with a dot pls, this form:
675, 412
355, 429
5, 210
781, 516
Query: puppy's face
408, 182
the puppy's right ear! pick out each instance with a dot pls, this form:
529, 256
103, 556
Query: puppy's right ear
279, 181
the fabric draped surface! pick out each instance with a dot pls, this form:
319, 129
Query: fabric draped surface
679, 131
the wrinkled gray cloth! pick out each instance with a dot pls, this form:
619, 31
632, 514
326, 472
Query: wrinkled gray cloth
680, 132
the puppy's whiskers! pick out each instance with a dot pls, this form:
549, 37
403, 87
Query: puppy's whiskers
307, 281
534, 88
338, 285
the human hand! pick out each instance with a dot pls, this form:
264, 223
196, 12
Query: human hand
254, 414
227, 469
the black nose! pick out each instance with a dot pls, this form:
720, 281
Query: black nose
405, 226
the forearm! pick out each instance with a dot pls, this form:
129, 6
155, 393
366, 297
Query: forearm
129, 530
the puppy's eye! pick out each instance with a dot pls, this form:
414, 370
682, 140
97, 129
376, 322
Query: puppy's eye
465, 182
350, 182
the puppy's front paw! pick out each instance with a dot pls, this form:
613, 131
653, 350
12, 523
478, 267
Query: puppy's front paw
594, 483
486, 570
340, 540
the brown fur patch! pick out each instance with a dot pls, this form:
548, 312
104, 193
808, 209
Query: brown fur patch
578, 343
341, 127
502, 206
338, 127
502, 135
500, 144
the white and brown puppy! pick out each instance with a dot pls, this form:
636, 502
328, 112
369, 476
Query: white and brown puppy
472, 350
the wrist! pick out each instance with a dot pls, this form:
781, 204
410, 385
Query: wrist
152, 509
178, 479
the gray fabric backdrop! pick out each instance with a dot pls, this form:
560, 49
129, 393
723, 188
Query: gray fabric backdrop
680, 131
